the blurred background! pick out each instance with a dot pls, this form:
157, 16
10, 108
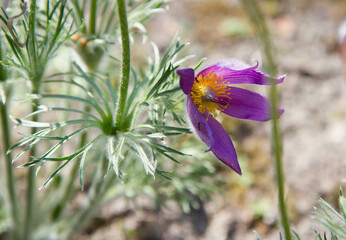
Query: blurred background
305, 42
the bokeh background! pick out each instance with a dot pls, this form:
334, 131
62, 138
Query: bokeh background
307, 49
305, 42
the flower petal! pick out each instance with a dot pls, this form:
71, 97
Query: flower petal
199, 123
235, 71
214, 135
222, 146
246, 104
187, 76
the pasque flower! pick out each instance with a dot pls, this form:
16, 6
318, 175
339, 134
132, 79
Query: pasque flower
209, 93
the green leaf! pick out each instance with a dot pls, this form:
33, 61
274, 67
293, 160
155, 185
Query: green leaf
115, 154
81, 167
331, 219
93, 104
164, 76
169, 156
168, 149
111, 90
162, 174
110, 22
77, 153
256, 235
199, 63
168, 92
64, 140
342, 203
45, 184
280, 235
166, 56
31, 163
48, 109
55, 125
26, 140
181, 60
17, 51
145, 154
94, 86
150, 136
296, 234
170, 128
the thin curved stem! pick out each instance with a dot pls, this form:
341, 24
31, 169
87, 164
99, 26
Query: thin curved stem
6, 144
258, 19
31, 190
11, 183
126, 61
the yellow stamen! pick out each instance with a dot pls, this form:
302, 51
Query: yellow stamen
207, 91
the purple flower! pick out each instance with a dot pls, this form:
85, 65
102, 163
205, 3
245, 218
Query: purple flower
209, 93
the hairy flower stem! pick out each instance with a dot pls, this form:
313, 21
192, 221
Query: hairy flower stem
125, 67
253, 10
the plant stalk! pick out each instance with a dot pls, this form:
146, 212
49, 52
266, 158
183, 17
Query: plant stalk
32, 47
92, 18
6, 143
31, 188
256, 16
35, 78
125, 67
11, 183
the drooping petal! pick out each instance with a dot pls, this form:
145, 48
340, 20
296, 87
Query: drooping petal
222, 146
199, 123
246, 104
187, 76
214, 135
237, 72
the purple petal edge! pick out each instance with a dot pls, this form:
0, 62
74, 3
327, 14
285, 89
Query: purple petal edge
246, 104
187, 77
237, 72
214, 136
281, 111
199, 123
222, 146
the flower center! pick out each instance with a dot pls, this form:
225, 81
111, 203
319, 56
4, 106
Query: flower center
209, 93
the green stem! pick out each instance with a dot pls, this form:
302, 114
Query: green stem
35, 78
125, 67
258, 19
31, 45
31, 188
11, 183
92, 18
